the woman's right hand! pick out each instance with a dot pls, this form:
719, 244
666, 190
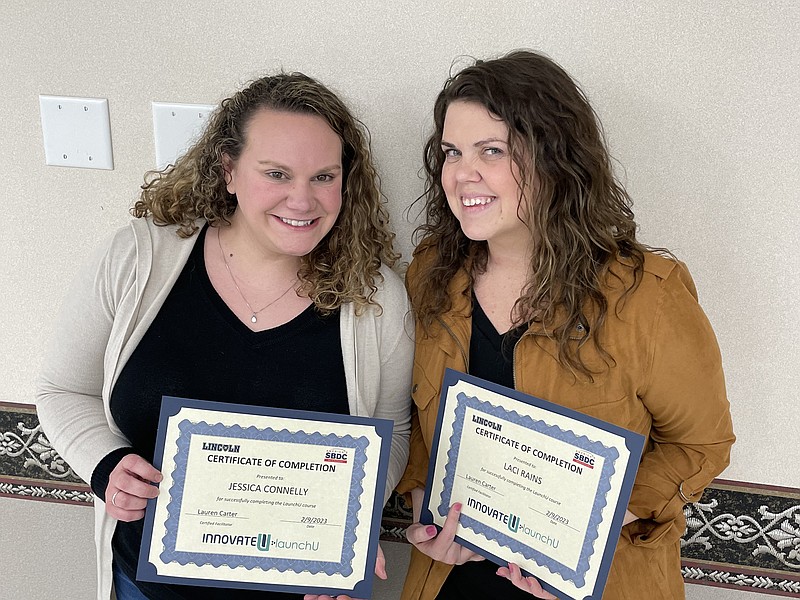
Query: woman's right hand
130, 486
442, 547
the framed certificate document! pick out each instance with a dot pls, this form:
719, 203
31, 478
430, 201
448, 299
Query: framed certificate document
265, 498
540, 485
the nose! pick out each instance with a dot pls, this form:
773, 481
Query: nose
466, 171
300, 197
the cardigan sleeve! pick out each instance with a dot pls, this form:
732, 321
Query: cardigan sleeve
396, 354
416, 471
395, 407
69, 387
691, 432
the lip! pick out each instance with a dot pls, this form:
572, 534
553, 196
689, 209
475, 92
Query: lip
476, 200
297, 223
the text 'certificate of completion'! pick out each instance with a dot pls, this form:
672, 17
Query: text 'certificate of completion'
541, 485
265, 498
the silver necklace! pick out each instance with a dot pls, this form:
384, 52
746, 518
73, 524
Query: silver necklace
253, 313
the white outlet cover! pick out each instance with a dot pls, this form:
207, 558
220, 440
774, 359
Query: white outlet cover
76, 131
175, 128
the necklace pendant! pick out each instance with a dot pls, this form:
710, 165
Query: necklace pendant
253, 319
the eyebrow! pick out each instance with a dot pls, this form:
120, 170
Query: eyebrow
491, 140
271, 163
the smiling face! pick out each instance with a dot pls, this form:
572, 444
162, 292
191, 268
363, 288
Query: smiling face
287, 181
479, 177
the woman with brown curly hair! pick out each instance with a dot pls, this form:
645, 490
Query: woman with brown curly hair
529, 274
257, 271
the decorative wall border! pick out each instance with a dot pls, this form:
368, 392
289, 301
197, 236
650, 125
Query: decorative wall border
745, 536
29, 467
739, 535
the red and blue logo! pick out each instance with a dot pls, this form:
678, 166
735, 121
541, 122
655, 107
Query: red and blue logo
584, 460
336, 455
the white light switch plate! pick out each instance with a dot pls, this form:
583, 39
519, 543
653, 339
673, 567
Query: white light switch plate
77, 132
175, 128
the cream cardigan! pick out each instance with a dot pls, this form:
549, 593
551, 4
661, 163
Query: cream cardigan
113, 301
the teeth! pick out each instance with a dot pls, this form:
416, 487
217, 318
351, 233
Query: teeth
294, 223
477, 201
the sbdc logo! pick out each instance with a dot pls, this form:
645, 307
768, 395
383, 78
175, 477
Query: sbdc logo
584, 459
336, 455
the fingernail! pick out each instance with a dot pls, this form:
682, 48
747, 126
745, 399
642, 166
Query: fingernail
457, 506
430, 530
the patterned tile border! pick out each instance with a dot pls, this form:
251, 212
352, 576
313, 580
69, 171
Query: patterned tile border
29, 467
739, 535
744, 536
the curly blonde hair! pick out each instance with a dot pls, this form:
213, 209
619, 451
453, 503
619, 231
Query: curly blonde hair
344, 267
580, 216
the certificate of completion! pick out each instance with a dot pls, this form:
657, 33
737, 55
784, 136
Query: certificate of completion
541, 485
265, 498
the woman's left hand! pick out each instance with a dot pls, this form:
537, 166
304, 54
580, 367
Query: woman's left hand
380, 571
526, 584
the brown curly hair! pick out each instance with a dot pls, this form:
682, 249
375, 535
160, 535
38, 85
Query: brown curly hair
344, 266
580, 216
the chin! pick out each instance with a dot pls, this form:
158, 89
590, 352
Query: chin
300, 251
476, 236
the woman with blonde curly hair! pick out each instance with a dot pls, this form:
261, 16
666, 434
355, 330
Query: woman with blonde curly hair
257, 271
529, 275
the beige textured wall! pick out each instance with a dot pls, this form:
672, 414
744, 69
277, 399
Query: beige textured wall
700, 107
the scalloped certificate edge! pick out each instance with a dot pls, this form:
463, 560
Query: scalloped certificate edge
584, 575
162, 560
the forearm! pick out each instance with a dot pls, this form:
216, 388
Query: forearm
76, 427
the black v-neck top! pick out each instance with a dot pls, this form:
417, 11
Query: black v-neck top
197, 348
491, 357
491, 354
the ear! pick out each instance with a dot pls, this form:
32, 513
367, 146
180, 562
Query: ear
228, 173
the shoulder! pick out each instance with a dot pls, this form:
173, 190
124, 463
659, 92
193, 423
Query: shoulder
659, 273
143, 248
422, 267
391, 295
389, 307
670, 274
392, 282
663, 306
160, 237
159, 247
423, 257
142, 232
116, 255
662, 296
386, 319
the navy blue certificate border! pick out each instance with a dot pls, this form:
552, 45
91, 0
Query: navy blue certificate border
171, 406
633, 441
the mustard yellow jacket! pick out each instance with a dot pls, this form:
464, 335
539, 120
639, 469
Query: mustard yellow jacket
666, 383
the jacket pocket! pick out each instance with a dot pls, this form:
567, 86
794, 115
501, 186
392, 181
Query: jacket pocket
423, 391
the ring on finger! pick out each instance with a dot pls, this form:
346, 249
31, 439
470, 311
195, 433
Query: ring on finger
114, 498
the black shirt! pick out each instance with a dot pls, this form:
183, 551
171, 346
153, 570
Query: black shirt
197, 348
491, 357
